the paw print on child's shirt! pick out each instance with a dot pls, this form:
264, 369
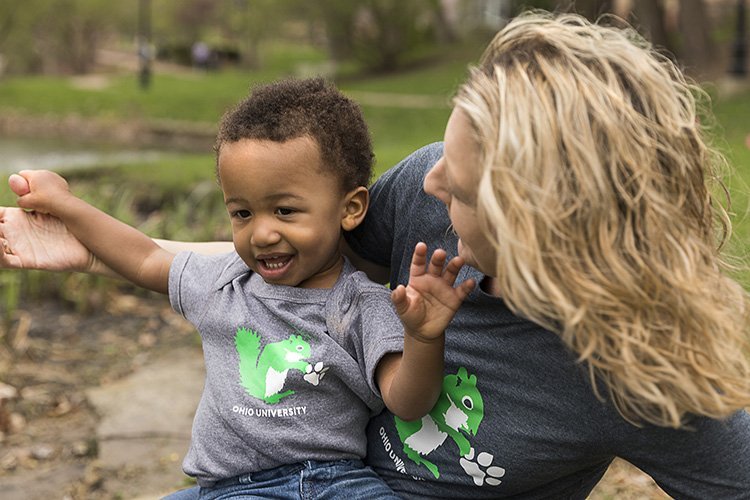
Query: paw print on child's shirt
314, 374
482, 469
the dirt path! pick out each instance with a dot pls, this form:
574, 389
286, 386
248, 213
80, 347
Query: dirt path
53, 439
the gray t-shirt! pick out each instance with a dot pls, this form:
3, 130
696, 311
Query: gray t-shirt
518, 417
290, 372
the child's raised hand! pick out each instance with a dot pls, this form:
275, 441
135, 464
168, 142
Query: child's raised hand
39, 190
429, 301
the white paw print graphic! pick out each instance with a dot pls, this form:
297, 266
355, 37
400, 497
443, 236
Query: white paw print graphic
482, 469
314, 374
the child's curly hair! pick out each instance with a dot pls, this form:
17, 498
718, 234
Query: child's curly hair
596, 193
292, 108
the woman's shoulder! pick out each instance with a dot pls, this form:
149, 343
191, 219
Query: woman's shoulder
415, 166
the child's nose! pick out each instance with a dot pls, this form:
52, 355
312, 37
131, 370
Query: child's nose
264, 234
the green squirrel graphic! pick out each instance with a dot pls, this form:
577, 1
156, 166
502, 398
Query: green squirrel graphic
459, 409
263, 373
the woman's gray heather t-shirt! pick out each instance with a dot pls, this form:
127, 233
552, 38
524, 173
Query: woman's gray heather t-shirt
518, 417
290, 372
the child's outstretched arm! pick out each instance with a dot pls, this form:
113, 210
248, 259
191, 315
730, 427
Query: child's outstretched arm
411, 382
122, 248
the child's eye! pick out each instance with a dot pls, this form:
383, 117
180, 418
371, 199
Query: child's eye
284, 211
242, 214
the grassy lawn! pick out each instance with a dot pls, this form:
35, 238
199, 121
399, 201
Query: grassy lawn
203, 97
733, 136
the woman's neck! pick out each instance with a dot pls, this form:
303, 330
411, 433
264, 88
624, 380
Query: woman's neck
490, 286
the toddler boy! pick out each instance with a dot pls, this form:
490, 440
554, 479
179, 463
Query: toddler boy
300, 348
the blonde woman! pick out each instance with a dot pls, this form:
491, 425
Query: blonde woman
590, 181
575, 181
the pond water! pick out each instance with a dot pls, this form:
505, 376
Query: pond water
20, 154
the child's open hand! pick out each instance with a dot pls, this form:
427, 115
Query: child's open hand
39, 190
429, 302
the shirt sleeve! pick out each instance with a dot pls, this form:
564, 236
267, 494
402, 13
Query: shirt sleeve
361, 318
192, 279
380, 330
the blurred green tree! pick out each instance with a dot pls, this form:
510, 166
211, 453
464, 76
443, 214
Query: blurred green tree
379, 34
227, 26
684, 28
247, 23
54, 36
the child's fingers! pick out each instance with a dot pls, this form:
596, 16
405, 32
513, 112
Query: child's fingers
19, 185
26, 202
398, 297
418, 259
452, 269
464, 289
437, 262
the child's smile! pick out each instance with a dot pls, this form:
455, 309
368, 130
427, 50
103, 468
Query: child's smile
273, 262
286, 210
272, 267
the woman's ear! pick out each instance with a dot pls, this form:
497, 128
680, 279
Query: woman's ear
355, 207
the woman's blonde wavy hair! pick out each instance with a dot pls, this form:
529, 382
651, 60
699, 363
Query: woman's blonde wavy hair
595, 191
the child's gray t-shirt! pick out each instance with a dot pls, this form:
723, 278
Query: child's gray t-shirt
290, 372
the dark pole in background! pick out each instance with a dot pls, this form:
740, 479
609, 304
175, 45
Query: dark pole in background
739, 48
144, 43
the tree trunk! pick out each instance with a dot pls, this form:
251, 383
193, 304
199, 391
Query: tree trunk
592, 9
649, 20
445, 30
697, 48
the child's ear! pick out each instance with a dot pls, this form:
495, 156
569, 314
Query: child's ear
355, 207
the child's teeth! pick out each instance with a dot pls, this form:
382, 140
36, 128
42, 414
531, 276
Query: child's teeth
275, 263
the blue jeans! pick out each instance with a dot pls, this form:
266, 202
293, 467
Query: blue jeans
342, 479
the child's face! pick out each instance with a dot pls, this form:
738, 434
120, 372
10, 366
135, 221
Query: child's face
454, 180
286, 211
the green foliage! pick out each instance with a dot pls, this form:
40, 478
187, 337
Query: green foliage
236, 25
62, 36
177, 196
378, 34
55, 35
